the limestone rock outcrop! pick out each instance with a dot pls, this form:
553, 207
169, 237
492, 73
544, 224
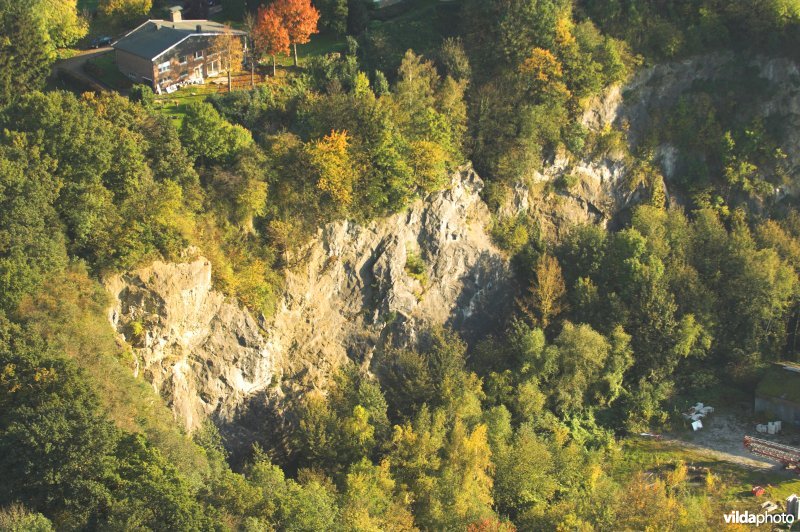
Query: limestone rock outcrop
353, 287
202, 352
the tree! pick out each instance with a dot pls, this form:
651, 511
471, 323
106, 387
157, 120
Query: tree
142, 94
368, 502
26, 50
307, 506
582, 355
526, 474
31, 248
55, 446
547, 291
334, 14
330, 159
269, 35
16, 518
209, 137
454, 59
151, 492
62, 21
230, 48
124, 12
300, 19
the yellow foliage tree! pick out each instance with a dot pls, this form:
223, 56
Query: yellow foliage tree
330, 158
230, 47
122, 12
547, 292
543, 73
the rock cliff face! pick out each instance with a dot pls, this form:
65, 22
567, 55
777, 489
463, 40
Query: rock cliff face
774, 83
201, 352
354, 286
600, 190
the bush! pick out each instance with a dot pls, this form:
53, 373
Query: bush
143, 95
416, 268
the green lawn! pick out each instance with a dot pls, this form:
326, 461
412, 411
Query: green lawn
420, 28
104, 68
174, 105
319, 45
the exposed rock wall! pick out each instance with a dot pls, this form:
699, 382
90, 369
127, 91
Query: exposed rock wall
354, 286
601, 190
775, 83
201, 351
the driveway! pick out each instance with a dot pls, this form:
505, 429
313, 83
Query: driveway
74, 66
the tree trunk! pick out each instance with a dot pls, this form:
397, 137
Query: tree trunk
274, 71
230, 81
252, 73
295, 53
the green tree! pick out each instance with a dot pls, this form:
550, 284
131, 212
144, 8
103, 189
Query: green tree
149, 492
209, 137
333, 15
526, 479
57, 450
63, 23
32, 245
368, 501
26, 50
16, 518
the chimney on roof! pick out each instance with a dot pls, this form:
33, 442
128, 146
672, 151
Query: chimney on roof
175, 13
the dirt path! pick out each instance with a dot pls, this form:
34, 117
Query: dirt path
744, 459
74, 66
722, 438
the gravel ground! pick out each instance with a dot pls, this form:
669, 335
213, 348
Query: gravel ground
722, 437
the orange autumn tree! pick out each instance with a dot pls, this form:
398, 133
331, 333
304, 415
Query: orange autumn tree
300, 19
270, 37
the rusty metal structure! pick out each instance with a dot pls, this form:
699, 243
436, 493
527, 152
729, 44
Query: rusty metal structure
787, 455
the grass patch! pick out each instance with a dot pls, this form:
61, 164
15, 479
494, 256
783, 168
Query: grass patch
420, 28
174, 105
650, 455
778, 382
321, 44
104, 68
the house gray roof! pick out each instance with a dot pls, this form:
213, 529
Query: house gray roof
155, 37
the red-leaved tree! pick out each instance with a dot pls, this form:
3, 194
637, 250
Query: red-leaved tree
270, 36
300, 19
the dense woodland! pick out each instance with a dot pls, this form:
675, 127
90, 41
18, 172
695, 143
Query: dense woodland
520, 429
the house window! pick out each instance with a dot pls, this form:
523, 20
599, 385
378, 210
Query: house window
184, 59
198, 54
184, 74
163, 67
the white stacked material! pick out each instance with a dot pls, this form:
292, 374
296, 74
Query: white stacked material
769, 506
